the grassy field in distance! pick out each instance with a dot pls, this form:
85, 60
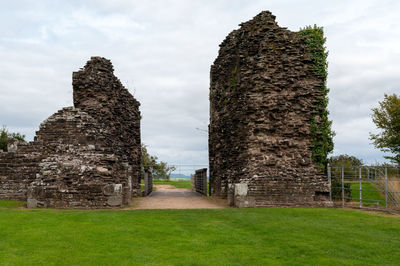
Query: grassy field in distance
370, 194
177, 184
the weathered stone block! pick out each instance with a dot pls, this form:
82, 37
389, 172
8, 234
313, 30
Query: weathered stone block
115, 201
241, 190
242, 199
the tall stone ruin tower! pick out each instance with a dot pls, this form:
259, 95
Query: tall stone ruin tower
264, 94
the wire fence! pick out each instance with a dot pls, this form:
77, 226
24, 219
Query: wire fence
373, 187
370, 187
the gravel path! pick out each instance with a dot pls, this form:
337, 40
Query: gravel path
169, 197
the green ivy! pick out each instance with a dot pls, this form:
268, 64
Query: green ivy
322, 143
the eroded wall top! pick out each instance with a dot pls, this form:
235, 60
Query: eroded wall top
97, 91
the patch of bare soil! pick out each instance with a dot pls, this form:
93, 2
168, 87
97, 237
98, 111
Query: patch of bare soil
382, 212
163, 188
169, 197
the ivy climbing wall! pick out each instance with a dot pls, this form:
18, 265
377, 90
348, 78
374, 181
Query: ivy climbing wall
267, 117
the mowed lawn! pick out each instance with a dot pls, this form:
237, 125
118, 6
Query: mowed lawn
197, 237
177, 184
370, 194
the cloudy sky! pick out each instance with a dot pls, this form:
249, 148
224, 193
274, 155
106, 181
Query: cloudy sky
162, 52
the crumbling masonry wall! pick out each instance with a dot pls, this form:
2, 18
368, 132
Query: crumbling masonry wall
263, 96
86, 156
18, 168
98, 92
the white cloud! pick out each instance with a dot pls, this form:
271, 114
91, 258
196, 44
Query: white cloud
162, 51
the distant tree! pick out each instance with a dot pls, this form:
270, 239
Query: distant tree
349, 163
350, 168
345, 160
147, 159
387, 118
3, 139
159, 170
5, 136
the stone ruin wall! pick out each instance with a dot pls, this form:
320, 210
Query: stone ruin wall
100, 94
87, 156
18, 168
263, 95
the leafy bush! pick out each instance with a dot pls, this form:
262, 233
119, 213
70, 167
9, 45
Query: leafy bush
5, 136
345, 160
159, 170
336, 189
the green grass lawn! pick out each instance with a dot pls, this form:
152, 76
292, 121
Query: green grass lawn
177, 184
11, 204
370, 194
197, 237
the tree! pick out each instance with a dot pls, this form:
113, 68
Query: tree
387, 118
349, 163
159, 170
5, 136
345, 160
350, 168
3, 139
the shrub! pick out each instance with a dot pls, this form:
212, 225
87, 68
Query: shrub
5, 136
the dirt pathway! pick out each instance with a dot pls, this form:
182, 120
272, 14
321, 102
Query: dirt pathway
169, 197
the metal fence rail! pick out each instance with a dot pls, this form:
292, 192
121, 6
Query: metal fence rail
148, 183
200, 181
365, 186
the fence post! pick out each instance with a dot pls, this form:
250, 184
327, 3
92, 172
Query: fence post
330, 182
343, 186
204, 176
146, 182
360, 187
368, 174
386, 188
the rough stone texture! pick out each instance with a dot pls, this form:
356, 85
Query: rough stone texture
18, 169
87, 156
99, 93
79, 169
263, 95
